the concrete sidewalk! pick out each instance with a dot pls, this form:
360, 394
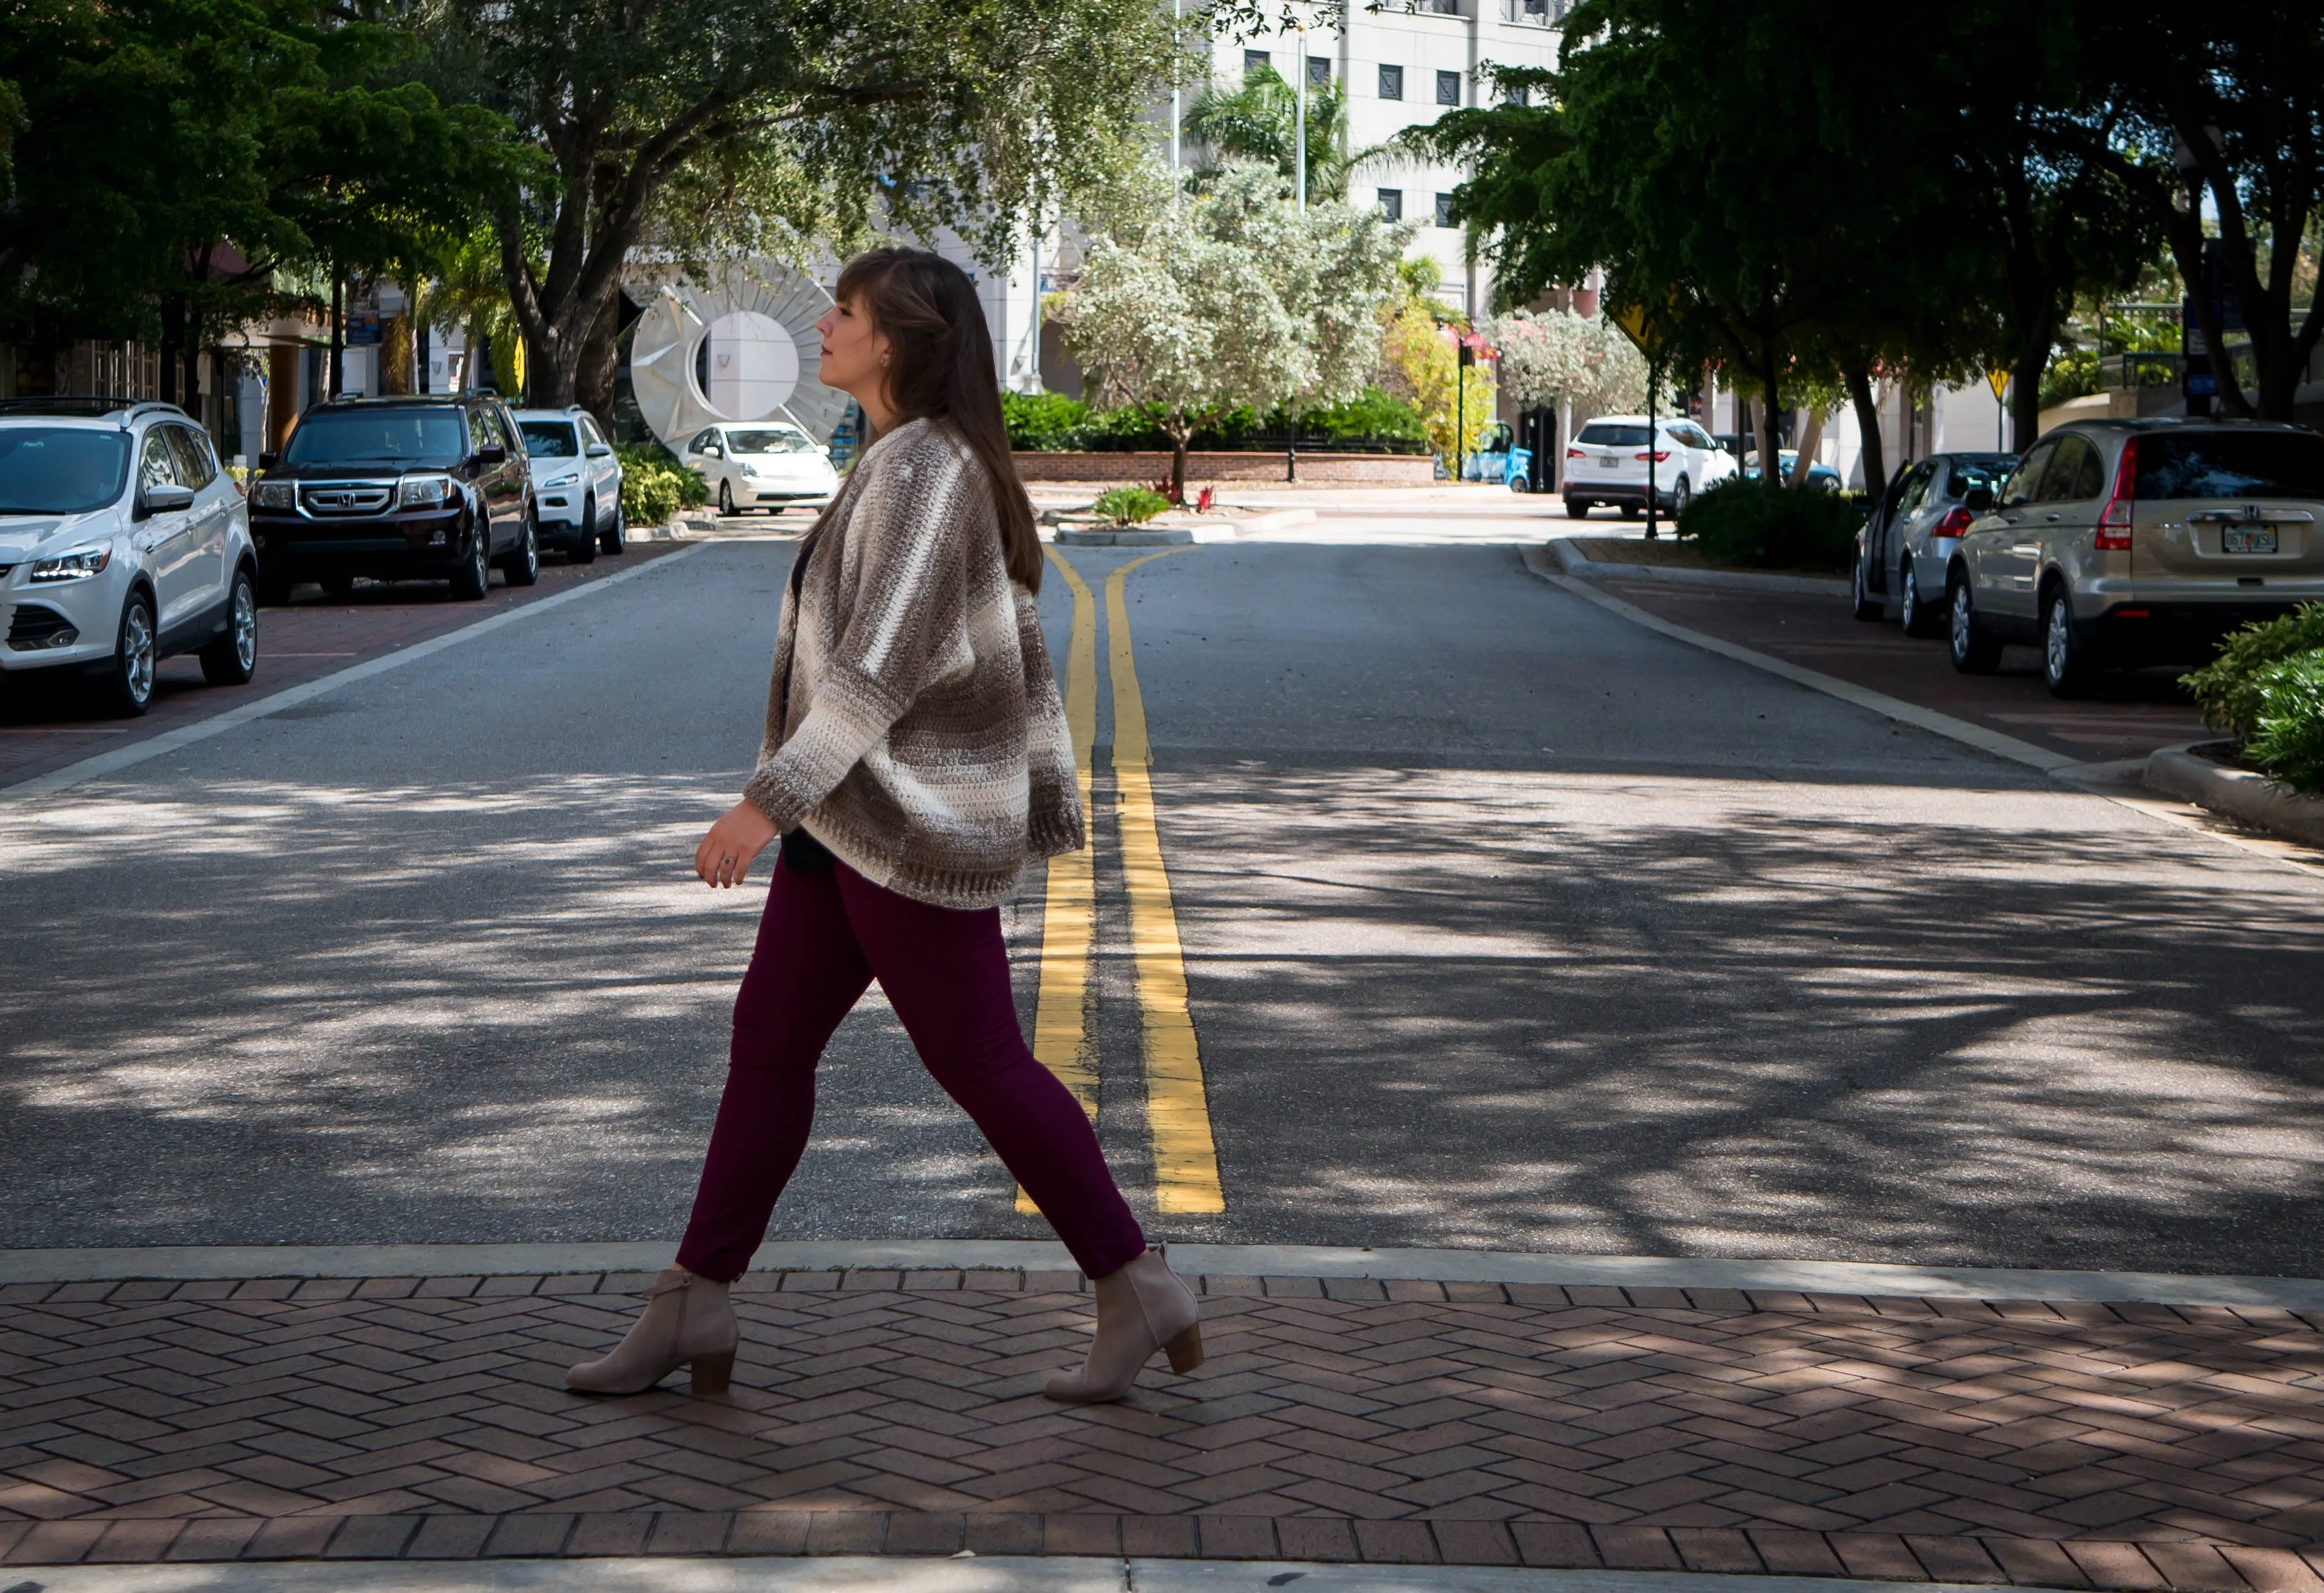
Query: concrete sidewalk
1358, 1419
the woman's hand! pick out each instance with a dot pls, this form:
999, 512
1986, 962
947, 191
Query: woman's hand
724, 856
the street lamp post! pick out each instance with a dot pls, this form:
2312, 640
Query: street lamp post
1299, 136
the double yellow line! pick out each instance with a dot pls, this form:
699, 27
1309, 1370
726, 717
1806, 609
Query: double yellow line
1178, 1106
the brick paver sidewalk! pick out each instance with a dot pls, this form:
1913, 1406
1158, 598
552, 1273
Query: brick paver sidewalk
2068, 1445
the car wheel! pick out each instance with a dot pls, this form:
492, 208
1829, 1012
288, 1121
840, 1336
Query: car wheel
726, 498
129, 686
1520, 483
583, 549
1919, 619
2065, 661
1577, 508
1867, 606
617, 538
523, 566
1679, 496
233, 658
474, 578
1630, 510
1973, 652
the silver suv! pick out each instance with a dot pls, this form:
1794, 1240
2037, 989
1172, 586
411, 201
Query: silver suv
2119, 544
121, 542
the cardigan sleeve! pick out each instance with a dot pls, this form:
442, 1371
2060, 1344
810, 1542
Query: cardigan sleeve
1053, 822
907, 624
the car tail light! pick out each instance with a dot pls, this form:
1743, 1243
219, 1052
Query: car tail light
1954, 524
1659, 457
2114, 520
1577, 453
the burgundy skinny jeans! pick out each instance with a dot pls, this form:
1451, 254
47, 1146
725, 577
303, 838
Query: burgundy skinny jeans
826, 934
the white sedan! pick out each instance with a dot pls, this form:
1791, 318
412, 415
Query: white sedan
767, 464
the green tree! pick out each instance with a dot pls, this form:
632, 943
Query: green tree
1257, 121
976, 114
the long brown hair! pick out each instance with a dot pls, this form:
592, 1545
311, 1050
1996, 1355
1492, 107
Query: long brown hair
940, 365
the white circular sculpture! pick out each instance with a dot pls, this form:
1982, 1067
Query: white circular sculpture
739, 348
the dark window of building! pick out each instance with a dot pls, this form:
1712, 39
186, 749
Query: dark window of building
1253, 59
1445, 7
1319, 69
1391, 83
1391, 203
1448, 88
1517, 95
1444, 209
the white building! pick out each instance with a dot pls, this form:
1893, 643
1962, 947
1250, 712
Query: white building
1402, 66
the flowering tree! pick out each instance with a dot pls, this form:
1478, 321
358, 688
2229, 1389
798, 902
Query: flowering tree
1238, 299
1558, 358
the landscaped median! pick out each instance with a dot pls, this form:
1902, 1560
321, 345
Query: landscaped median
1730, 1423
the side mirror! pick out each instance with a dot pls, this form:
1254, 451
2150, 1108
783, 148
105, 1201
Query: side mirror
823, 449
164, 497
266, 462
491, 453
598, 450
1978, 500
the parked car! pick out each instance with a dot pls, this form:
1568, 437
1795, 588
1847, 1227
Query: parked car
1908, 538
577, 481
426, 488
767, 464
1606, 463
122, 542
1821, 477
2121, 543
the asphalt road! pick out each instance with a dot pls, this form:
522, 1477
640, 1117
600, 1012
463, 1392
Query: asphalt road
1507, 924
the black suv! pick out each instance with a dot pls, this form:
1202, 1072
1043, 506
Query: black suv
397, 489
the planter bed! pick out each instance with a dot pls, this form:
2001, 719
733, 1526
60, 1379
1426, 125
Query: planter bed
2205, 773
1378, 469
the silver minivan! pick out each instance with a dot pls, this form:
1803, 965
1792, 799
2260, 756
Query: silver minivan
2121, 544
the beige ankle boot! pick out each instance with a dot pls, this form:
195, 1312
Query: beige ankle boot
1142, 1307
688, 1320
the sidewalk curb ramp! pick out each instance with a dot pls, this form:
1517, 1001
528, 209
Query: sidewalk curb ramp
2236, 793
1572, 561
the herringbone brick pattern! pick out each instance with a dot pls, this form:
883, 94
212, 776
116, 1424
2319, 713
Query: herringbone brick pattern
2065, 1445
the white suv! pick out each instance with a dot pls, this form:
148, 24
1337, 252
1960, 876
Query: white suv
121, 542
763, 465
577, 482
1606, 463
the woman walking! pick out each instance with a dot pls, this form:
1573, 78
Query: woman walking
915, 760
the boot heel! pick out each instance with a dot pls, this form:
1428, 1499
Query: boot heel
711, 1373
1185, 1351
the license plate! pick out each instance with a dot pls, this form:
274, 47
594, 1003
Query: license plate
2246, 538
1609, 462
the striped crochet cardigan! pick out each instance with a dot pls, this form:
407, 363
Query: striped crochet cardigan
920, 736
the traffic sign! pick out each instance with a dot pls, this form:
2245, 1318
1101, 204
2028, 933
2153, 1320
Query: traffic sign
1999, 380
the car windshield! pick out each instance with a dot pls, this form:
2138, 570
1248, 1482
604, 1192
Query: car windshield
60, 469
396, 436
550, 440
1969, 474
2232, 465
1606, 435
773, 439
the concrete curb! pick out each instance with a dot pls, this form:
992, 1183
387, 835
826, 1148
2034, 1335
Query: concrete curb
1878, 1279
1572, 561
900, 1574
2237, 793
1166, 536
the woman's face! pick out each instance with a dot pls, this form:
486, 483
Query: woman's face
854, 353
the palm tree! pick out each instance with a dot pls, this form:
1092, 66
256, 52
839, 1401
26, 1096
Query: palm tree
1258, 121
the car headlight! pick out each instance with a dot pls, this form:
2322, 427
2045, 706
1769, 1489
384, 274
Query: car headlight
274, 494
78, 564
747, 468
427, 492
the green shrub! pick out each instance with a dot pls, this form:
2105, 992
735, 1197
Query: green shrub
655, 486
1130, 506
1045, 423
1757, 527
2289, 740
2228, 690
1374, 414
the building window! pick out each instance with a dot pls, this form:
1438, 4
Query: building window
1448, 88
1519, 95
1445, 7
1254, 60
1391, 203
1391, 83
1319, 69
1444, 209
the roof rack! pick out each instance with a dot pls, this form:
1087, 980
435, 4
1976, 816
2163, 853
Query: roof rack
86, 407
